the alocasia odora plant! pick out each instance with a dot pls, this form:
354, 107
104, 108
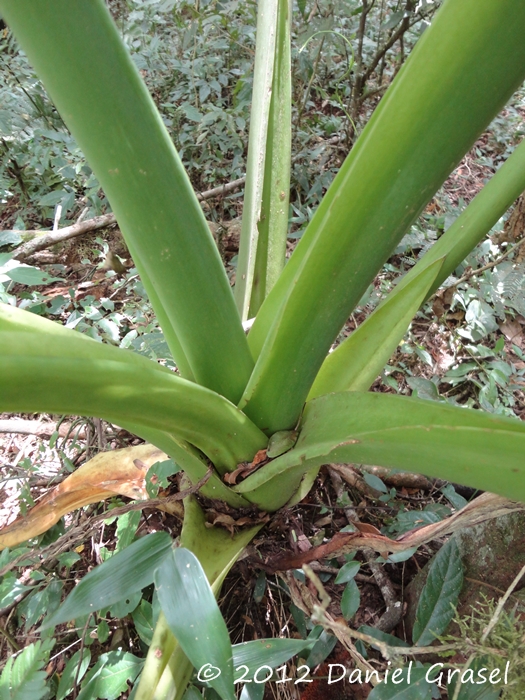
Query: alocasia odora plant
232, 391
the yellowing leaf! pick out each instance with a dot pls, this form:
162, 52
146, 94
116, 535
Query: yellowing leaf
119, 472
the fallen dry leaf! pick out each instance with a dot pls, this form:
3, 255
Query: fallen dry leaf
513, 332
485, 507
246, 468
107, 474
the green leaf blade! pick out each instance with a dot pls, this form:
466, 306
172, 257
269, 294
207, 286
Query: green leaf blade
110, 675
24, 676
439, 596
426, 437
46, 367
350, 600
427, 120
356, 363
347, 572
193, 616
77, 52
122, 575
268, 652
411, 684
74, 671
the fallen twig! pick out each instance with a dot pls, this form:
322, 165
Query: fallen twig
38, 240
37, 427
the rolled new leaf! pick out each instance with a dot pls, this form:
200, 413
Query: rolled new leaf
265, 214
267, 17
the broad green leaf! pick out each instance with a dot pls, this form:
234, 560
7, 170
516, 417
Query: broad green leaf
350, 600
347, 572
456, 444
127, 525
450, 494
475, 683
356, 363
10, 589
259, 588
267, 652
193, 616
143, 621
103, 630
397, 557
474, 222
110, 675
66, 372
382, 636
73, 673
411, 684
192, 693
166, 664
24, 675
30, 276
436, 605
9, 238
119, 577
323, 647
51, 198
375, 482
416, 136
157, 476
125, 605
253, 691
117, 126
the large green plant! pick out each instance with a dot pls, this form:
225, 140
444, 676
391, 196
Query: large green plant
234, 392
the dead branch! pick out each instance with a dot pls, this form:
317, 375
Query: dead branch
38, 240
36, 427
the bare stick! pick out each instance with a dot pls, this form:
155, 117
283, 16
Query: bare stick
488, 629
39, 240
35, 427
